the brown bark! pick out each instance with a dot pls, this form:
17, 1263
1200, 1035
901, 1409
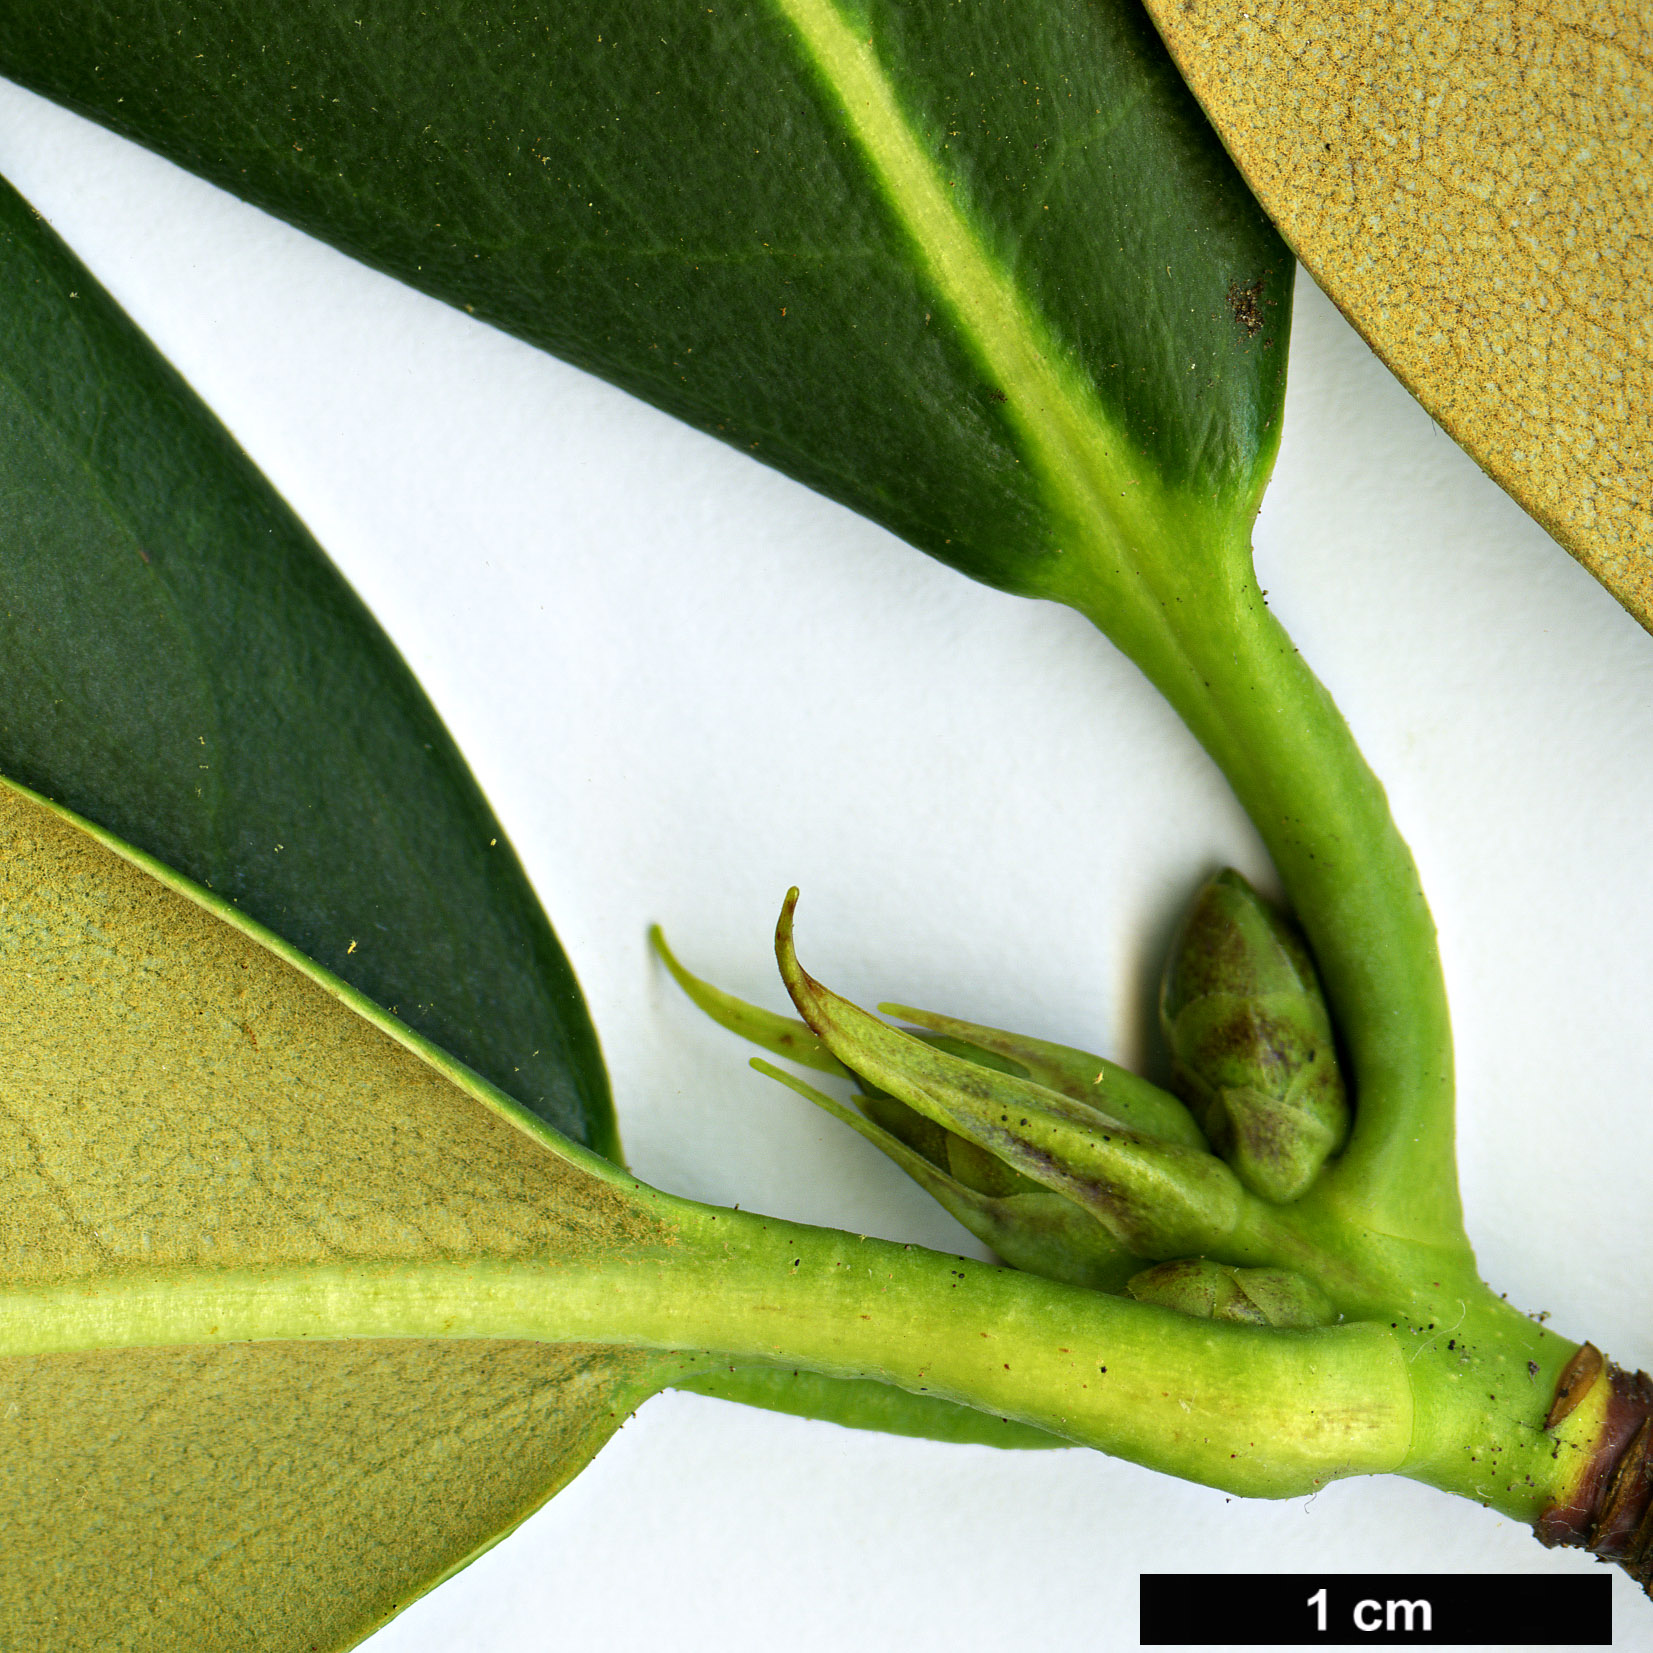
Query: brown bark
1611, 1510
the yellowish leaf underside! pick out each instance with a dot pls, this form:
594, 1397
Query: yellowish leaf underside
278, 1496
179, 1101
174, 1094
1473, 185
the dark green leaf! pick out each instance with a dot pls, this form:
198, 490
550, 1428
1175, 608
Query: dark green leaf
976, 268
180, 662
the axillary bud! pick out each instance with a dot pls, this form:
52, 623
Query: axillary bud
1252, 1048
1243, 1296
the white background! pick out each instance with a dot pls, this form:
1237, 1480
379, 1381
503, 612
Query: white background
687, 683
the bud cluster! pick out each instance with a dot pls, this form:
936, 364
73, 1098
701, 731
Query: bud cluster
1072, 1167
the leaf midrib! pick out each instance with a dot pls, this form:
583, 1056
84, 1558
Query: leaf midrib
1080, 453
534, 1297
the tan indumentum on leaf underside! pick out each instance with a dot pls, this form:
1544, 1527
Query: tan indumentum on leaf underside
1470, 184
171, 1093
278, 1496
177, 1097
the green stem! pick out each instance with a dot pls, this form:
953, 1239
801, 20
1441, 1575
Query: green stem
1455, 1398
1251, 1411
1482, 1375
1230, 671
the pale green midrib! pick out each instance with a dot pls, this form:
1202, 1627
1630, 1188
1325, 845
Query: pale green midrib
1164, 1390
1081, 452
296, 1301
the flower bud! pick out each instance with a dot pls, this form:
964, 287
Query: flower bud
1029, 1227
1076, 1074
1246, 1296
1251, 1040
1156, 1198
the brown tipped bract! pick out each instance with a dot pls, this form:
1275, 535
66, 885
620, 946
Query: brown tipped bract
1156, 1198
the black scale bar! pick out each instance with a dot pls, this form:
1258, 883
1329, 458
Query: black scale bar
1375, 1609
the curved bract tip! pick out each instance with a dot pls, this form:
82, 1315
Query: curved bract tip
799, 982
784, 1035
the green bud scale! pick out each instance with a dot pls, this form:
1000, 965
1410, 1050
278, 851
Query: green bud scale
1252, 1048
1245, 1296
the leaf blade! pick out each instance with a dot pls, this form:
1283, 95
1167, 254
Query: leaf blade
781, 300
197, 1125
179, 661
142, 1013
310, 1536
1521, 326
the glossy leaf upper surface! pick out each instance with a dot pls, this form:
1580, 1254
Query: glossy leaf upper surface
928, 257
180, 662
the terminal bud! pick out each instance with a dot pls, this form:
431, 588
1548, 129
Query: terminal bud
1155, 1197
1253, 1053
1029, 1226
